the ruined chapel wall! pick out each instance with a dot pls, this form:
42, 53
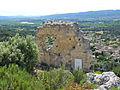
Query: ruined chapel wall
68, 45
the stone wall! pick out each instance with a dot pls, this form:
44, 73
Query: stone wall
68, 44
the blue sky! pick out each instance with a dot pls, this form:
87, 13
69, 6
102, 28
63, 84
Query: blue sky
47, 7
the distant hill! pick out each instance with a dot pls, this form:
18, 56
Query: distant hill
11, 17
90, 14
103, 14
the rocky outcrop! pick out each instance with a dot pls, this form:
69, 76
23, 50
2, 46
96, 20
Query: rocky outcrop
105, 80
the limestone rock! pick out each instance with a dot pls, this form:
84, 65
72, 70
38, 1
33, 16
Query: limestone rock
104, 80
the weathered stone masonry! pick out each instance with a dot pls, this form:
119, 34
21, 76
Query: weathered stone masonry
62, 42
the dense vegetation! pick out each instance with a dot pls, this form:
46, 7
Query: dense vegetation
104, 64
14, 78
21, 51
9, 28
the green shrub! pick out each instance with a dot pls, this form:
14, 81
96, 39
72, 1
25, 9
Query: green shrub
116, 70
14, 78
49, 40
91, 85
114, 88
19, 50
55, 79
80, 76
96, 72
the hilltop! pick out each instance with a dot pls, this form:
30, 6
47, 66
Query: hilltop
90, 14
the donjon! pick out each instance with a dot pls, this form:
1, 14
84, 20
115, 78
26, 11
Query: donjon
61, 42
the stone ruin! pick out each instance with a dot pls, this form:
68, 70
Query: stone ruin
61, 42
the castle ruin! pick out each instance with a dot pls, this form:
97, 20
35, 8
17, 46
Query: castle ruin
61, 42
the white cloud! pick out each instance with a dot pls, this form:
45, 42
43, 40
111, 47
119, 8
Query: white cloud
42, 7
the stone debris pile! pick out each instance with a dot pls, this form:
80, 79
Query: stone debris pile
105, 80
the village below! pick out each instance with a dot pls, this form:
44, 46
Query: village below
78, 51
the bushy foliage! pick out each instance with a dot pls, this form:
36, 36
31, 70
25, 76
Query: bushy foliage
85, 86
19, 50
14, 78
55, 79
103, 66
104, 63
91, 85
116, 70
114, 88
96, 72
49, 40
80, 76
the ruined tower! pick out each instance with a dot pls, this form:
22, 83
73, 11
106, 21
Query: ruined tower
61, 42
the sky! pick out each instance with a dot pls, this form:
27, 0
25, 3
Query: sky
48, 7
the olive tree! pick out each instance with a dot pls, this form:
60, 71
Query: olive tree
19, 50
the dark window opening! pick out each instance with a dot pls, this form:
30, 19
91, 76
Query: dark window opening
73, 47
59, 54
